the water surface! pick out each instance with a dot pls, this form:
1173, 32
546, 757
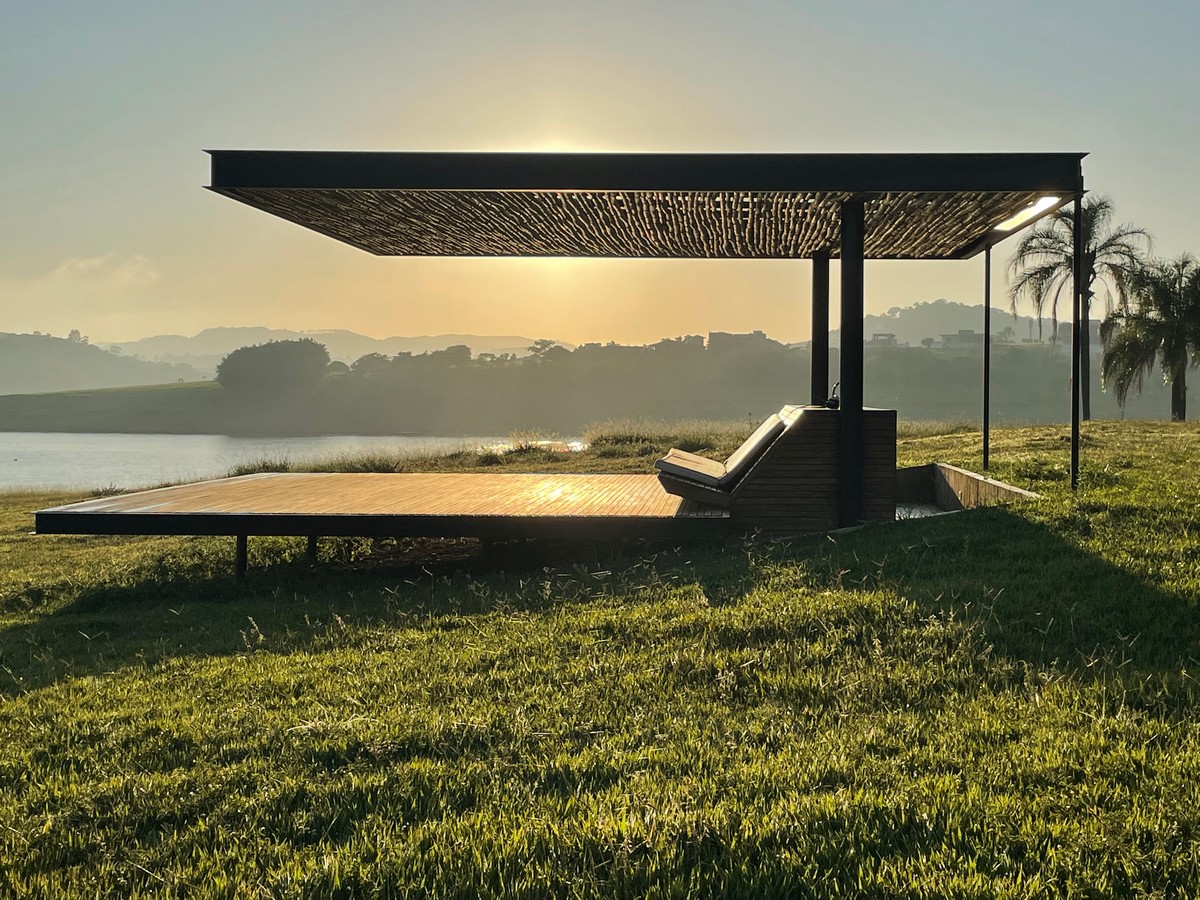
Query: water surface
43, 459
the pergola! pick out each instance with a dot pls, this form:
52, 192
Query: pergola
852, 207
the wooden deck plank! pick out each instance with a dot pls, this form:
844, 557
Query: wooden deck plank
294, 502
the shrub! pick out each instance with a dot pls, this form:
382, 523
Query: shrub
273, 371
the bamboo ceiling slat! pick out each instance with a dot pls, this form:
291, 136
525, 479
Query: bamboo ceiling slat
638, 224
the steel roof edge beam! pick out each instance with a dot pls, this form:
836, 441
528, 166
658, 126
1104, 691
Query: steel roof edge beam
987, 355
846, 172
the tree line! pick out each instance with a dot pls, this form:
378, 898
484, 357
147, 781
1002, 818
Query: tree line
451, 391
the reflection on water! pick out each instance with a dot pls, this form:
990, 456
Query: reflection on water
37, 460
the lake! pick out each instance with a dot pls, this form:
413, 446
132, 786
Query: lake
40, 460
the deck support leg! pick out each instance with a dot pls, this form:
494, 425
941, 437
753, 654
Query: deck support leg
987, 356
312, 546
820, 328
851, 458
239, 557
1076, 334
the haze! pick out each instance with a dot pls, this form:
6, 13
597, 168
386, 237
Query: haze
107, 108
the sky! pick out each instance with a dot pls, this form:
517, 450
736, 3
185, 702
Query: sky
108, 107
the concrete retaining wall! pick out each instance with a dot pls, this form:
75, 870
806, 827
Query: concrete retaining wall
949, 487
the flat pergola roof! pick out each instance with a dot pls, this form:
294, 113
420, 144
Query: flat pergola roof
649, 205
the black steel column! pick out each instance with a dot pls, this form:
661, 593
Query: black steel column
850, 419
1076, 334
820, 327
987, 354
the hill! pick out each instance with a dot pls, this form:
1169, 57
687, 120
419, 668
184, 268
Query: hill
911, 324
205, 350
36, 363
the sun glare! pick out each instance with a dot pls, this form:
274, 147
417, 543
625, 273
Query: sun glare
551, 143
554, 145
1027, 213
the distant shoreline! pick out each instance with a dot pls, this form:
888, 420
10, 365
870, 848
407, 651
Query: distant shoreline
38, 460
264, 435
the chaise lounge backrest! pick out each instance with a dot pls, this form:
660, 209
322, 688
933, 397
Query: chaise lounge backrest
688, 475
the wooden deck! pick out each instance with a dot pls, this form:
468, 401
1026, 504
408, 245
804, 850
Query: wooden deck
399, 505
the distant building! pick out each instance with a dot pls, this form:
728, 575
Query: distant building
724, 342
882, 339
607, 350
966, 337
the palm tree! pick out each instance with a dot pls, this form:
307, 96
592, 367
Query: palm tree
1043, 264
1161, 324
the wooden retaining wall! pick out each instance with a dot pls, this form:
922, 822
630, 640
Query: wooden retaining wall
793, 487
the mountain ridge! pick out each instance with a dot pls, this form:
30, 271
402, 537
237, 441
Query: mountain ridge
933, 318
40, 363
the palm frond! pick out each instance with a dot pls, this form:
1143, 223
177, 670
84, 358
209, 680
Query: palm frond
1036, 284
1042, 266
1159, 324
1128, 357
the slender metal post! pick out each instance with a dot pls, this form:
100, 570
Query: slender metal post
312, 546
1076, 334
987, 355
850, 418
239, 557
820, 327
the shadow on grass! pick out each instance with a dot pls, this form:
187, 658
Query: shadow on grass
187, 603
1039, 597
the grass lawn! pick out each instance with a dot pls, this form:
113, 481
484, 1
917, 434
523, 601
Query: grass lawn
168, 408
998, 703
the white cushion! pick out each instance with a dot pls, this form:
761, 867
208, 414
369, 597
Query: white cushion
752, 448
703, 470
700, 469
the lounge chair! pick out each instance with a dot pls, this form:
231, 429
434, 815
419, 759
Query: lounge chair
706, 480
785, 477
